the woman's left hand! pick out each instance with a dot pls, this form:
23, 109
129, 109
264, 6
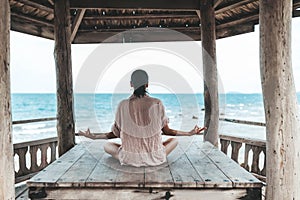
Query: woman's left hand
197, 130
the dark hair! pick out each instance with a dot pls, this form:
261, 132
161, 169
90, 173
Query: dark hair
140, 91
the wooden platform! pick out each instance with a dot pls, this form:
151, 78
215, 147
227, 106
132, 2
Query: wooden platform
195, 170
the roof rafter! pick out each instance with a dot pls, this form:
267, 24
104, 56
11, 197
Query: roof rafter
217, 3
51, 2
76, 23
22, 16
232, 6
36, 5
248, 19
198, 13
239, 21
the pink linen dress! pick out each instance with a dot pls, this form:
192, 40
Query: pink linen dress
138, 123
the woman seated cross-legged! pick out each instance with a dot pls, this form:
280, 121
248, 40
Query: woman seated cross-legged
140, 122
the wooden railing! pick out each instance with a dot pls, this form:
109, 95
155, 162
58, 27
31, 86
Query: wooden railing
253, 150
33, 156
238, 121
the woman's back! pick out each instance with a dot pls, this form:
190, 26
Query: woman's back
139, 121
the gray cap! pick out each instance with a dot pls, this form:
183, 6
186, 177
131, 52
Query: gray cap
138, 78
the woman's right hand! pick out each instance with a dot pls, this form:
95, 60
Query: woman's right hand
87, 134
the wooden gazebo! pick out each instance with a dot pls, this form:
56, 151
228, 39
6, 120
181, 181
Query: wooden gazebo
91, 21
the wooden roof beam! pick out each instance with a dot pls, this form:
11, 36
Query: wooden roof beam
198, 13
232, 6
296, 3
235, 30
76, 23
239, 21
51, 2
134, 4
101, 35
30, 19
137, 17
248, 19
36, 5
32, 29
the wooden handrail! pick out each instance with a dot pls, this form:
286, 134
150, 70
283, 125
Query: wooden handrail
35, 142
244, 140
242, 122
33, 120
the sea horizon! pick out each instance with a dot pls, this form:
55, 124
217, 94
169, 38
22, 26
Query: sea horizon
230, 92
96, 111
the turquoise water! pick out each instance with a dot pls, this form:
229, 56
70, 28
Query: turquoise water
97, 112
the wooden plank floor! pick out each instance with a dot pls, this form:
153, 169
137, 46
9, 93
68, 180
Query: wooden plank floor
193, 166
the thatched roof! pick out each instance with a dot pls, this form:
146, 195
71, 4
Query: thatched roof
94, 21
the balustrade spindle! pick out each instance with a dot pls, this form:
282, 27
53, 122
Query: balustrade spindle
224, 145
255, 160
248, 147
33, 154
235, 150
257, 146
21, 150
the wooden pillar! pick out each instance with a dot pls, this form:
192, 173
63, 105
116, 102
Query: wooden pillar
280, 102
210, 74
7, 173
62, 55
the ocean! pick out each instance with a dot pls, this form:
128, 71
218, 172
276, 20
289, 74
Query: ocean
96, 111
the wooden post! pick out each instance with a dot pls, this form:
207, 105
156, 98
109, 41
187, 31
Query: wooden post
7, 173
280, 102
210, 74
62, 55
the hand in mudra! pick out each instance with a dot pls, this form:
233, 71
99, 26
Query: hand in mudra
86, 133
197, 130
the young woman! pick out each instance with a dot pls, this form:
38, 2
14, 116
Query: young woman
140, 121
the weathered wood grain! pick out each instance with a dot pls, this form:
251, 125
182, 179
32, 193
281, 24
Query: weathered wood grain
208, 171
51, 174
7, 173
280, 100
84, 165
130, 177
238, 176
193, 164
64, 84
183, 172
159, 176
105, 173
210, 73
129, 194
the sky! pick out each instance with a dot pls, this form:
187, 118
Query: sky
33, 67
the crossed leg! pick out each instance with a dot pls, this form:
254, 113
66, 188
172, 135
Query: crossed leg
113, 148
170, 145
